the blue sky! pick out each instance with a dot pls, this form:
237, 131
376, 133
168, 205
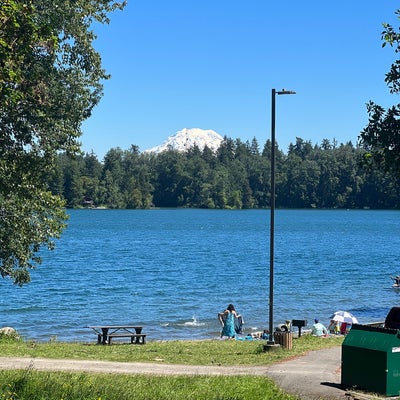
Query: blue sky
212, 64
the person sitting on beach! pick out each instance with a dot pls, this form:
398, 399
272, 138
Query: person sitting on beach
334, 327
265, 334
318, 329
227, 320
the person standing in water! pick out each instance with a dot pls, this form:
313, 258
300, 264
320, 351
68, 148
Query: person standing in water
227, 320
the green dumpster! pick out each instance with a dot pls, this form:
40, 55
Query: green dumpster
371, 360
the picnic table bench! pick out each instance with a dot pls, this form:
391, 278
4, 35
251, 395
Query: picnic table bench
105, 333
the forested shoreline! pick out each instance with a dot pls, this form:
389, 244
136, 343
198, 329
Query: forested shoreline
237, 176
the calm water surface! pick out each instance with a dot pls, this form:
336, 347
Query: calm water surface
172, 271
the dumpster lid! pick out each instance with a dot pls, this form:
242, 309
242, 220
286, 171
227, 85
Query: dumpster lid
370, 337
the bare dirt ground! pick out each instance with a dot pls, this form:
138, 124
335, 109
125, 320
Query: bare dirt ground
313, 376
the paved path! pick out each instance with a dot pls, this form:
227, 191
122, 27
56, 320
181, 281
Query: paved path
46, 364
316, 375
313, 376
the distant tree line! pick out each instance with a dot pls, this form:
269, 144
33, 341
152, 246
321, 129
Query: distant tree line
236, 176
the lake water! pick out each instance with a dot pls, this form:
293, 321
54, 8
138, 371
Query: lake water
172, 271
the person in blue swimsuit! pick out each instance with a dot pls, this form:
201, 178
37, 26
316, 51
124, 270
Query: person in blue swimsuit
227, 320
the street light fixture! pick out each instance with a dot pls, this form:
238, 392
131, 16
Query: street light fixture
271, 340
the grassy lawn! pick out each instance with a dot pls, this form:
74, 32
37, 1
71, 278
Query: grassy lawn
17, 385
32, 385
207, 352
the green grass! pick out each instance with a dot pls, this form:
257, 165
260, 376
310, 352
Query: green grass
34, 385
207, 352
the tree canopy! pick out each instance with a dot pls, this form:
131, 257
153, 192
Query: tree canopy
237, 176
381, 137
50, 80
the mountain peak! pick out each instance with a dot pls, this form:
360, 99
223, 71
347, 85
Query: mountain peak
187, 138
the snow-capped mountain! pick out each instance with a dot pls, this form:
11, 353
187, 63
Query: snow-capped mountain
186, 138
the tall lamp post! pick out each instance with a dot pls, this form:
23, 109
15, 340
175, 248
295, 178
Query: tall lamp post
271, 340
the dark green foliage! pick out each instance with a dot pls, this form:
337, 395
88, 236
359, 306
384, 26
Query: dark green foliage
381, 137
236, 177
50, 80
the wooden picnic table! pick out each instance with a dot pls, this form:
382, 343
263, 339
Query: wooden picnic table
105, 333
